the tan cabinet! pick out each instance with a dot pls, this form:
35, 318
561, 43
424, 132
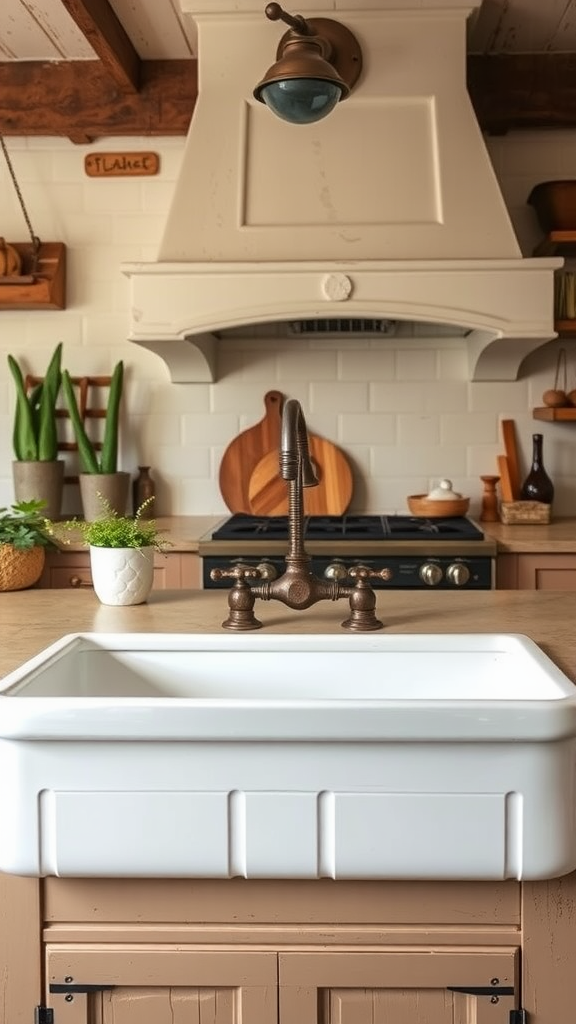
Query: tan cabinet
173, 571
536, 572
117, 951
99, 985
160, 984
428, 986
281, 952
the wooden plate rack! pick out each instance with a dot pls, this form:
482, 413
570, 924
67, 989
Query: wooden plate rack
91, 406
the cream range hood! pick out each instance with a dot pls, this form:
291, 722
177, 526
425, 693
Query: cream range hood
388, 210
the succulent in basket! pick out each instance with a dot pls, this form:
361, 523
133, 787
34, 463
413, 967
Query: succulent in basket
35, 435
25, 533
23, 526
93, 460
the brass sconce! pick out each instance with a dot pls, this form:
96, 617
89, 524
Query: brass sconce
318, 61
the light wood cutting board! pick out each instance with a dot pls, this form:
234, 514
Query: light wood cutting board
269, 494
244, 453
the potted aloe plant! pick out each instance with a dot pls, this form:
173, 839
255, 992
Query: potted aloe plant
121, 552
37, 472
99, 474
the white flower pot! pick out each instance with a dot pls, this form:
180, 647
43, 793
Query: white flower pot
122, 576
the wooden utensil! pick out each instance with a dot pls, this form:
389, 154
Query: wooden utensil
268, 493
511, 449
244, 453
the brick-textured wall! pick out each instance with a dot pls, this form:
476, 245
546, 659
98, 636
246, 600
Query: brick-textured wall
404, 411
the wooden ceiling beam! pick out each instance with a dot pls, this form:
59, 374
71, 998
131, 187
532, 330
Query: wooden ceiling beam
79, 99
511, 91
97, 20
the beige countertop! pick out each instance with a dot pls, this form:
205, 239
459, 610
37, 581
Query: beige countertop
556, 537
182, 532
32, 619
186, 532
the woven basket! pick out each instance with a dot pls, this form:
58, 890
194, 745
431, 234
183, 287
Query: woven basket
20, 568
517, 513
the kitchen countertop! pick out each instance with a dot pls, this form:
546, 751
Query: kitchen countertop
183, 532
32, 619
556, 537
192, 533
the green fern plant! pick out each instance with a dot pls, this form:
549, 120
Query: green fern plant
113, 530
35, 436
92, 460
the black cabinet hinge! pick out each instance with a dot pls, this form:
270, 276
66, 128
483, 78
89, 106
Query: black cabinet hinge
43, 1015
484, 990
518, 1016
59, 989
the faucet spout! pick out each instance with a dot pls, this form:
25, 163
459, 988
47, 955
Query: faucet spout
298, 587
297, 468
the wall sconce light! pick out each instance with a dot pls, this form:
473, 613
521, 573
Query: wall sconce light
318, 61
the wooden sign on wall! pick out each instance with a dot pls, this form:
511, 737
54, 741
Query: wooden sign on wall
121, 164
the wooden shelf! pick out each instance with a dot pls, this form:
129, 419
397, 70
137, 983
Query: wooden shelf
566, 413
46, 288
566, 328
557, 243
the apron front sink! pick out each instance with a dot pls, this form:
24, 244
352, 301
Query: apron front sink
448, 756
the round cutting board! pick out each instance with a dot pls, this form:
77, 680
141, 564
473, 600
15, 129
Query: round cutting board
268, 493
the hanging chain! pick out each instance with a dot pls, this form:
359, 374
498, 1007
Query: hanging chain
34, 238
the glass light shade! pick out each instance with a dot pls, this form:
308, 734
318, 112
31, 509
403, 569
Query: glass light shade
301, 100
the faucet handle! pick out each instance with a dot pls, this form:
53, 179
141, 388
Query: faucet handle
238, 571
366, 572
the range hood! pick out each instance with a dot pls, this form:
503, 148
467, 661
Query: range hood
388, 210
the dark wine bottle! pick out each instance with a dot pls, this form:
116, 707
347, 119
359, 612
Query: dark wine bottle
537, 485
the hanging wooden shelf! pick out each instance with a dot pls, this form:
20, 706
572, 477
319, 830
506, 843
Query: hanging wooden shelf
557, 243
550, 414
565, 328
43, 289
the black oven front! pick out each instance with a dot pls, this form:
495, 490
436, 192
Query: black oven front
442, 572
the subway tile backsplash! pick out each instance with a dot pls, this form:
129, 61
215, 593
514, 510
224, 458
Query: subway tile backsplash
403, 409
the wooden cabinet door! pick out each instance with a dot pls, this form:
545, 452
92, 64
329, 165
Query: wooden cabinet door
398, 987
536, 572
547, 572
157, 984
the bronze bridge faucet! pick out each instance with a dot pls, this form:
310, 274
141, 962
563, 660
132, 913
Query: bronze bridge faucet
298, 587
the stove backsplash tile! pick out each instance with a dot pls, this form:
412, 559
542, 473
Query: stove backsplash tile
403, 408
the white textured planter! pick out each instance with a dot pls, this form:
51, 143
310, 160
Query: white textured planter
122, 576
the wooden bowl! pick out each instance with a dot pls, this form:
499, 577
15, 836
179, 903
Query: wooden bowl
420, 505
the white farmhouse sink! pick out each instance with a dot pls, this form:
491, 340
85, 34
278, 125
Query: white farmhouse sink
440, 756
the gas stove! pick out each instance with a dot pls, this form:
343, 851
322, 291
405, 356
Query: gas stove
440, 553
362, 528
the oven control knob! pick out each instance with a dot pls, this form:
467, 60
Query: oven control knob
458, 574
430, 574
335, 571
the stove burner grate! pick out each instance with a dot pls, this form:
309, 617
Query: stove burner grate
349, 527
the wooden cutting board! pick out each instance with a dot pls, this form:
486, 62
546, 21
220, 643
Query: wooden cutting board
244, 453
269, 494
511, 450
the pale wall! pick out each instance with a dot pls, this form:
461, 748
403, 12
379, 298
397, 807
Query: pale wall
405, 416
